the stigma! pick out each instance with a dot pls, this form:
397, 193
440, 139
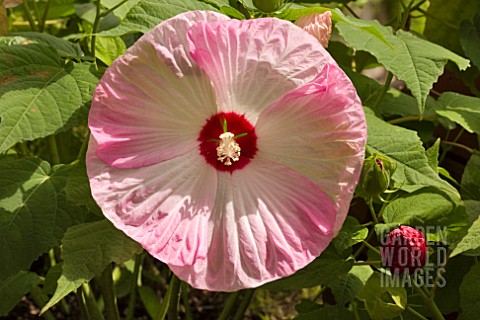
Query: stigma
228, 149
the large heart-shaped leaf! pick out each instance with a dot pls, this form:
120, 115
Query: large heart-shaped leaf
87, 249
417, 62
33, 212
39, 93
146, 14
404, 146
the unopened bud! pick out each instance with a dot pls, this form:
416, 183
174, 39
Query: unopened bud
375, 177
268, 6
404, 249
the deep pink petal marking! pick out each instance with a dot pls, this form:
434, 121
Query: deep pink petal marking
318, 130
252, 63
270, 222
151, 103
166, 207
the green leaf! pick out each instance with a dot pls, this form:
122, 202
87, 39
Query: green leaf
461, 109
351, 233
470, 38
77, 189
322, 270
86, 251
146, 14
405, 147
347, 286
444, 18
383, 302
432, 154
150, 301
417, 62
447, 296
469, 293
471, 241
64, 47
121, 11
14, 288
40, 95
394, 103
427, 209
33, 212
470, 185
109, 49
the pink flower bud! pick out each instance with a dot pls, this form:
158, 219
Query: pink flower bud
404, 249
318, 25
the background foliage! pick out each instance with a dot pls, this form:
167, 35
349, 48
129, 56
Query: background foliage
417, 73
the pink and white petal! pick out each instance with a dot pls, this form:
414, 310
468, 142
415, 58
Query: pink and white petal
166, 207
318, 130
268, 222
154, 97
252, 63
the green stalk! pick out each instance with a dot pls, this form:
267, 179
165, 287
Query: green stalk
108, 292
41, 299
229, 304
91, 306
186, 304
96, 22
372, 211
415, 313
83, 148
414, 118
371, 247
53, 149
114, 8
172, 312
43, 20
446, 150
428, 300
173, 288
385, 88
461, 146
28, 15
247, 298
133, 289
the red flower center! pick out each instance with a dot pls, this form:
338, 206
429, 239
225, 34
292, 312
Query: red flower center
228, 141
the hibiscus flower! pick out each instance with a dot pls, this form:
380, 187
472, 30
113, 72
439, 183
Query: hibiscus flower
228, 149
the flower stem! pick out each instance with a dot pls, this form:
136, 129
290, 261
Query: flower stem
113, 8
186, 303
428, 300
172, 312
385, 88
172, 292
83, 148
372, 211
53, 149
371, 247
415, 313
368, 263
229, 304
96, 22
108, 292
41, 23
90, 304
447, 149
458, 145
247, 298
28, 15
414, 118
133, 288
